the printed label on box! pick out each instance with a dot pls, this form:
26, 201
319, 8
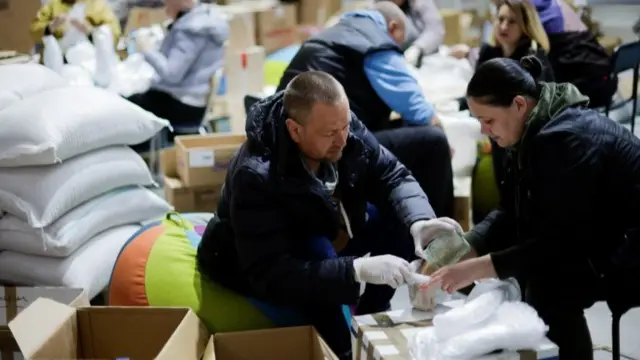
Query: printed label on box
201, 158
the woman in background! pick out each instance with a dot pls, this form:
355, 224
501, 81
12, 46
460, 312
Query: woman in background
517, 32
52, 19
190, 53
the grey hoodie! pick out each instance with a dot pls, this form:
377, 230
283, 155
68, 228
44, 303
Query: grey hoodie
190, 53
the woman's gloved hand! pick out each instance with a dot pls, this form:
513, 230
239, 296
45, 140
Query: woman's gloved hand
412, 55
424, 231
382, 270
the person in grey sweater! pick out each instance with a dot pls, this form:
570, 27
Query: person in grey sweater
424, 31
191, 52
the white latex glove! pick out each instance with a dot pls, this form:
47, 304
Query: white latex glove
412, 54
382, 270
423, 231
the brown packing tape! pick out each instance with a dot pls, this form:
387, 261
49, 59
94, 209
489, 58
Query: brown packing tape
393, 331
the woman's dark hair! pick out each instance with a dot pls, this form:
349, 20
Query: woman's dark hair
497, 81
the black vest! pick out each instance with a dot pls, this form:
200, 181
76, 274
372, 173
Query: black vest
340, 51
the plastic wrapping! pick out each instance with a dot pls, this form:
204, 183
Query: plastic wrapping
489, 320
133, 75
52, 56
105, 55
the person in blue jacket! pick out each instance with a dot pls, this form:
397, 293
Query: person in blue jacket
308, 195
362, 51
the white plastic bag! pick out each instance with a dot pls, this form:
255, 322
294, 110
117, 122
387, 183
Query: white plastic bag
82, 54
76, 75
52, 56
444, 78
105, 56
72, 35
131, 76
488, 321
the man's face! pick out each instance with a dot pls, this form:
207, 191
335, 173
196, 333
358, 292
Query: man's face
324, 133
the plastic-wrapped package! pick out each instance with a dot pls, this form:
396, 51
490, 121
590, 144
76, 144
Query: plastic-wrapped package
424, 300
488, 321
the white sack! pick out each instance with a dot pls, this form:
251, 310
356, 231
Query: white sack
23, 80
42, 194
88, 268
52, 126
129, 205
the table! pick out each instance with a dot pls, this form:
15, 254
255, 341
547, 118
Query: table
383, 336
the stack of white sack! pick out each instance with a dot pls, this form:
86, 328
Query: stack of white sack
492, 318
97, 64
71, 191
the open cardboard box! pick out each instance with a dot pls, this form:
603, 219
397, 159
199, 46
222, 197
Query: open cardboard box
15, 299
50, 330
292, 343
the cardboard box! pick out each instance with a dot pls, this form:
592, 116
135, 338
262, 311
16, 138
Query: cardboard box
314, 12
15, 19
292, 343
242, 27
227, 114
50, 330
140, 17
277, 27
13, 300
384, 336
203, 160
244, 71
183, 198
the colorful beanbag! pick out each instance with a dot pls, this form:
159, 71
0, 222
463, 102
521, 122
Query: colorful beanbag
157, 267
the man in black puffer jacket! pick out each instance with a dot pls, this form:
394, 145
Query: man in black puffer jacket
293, 223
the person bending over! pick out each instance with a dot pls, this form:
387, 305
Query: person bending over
569, 201
424, 31
362, 53
307, 196
189, 55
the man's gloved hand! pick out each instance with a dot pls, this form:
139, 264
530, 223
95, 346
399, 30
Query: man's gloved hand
412, 54
382, 270
423, 231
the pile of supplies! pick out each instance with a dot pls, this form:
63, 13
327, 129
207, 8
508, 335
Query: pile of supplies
71, 190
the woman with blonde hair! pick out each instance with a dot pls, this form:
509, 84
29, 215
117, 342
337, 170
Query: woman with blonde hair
517, 32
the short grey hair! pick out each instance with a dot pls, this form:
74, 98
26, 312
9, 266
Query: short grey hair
309, 88
390, 11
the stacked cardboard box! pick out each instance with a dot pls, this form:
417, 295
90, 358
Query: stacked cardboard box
195, 170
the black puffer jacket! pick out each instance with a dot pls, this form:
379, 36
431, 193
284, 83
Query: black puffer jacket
271, 207
570, 196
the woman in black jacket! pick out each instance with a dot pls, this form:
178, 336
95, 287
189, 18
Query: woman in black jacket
569, 201
517, 32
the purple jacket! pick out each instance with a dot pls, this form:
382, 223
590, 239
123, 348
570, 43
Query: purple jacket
557, 16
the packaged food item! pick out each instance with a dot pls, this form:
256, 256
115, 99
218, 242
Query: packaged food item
444, 250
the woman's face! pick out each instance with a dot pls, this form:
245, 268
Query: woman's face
505, 125
506, 28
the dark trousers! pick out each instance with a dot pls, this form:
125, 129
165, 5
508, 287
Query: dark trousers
560, 297
425, 151
165, 106
383, 234
560, 301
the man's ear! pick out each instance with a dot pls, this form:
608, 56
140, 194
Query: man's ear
294, 130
